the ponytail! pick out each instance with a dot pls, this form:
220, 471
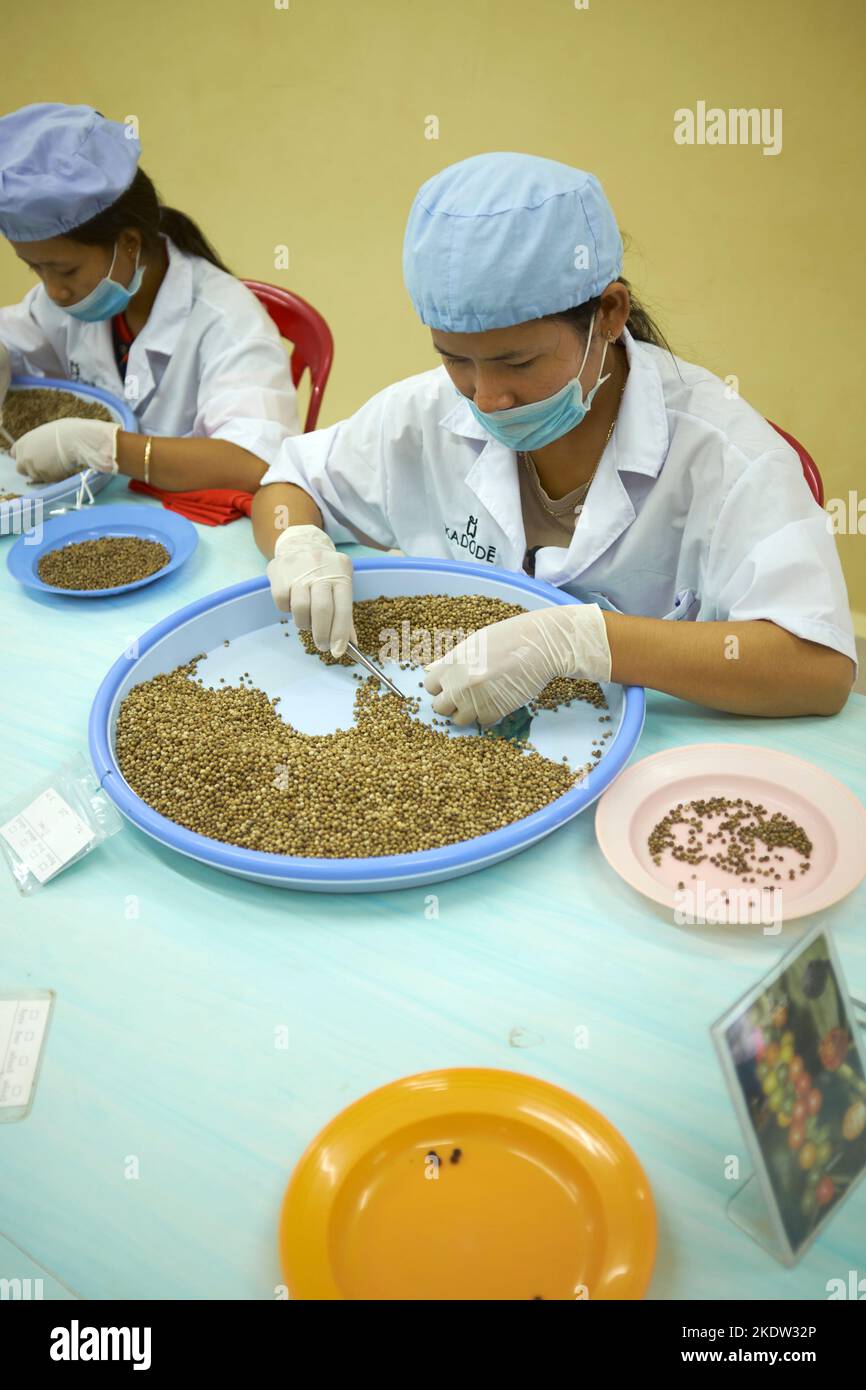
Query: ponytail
139, 207
640, 324
188, 236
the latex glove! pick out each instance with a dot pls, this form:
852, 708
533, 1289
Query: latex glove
311, 578
62, 447
5, 373
503, 666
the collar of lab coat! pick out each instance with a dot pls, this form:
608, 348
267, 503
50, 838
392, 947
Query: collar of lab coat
639, 444
172, 305
160, 335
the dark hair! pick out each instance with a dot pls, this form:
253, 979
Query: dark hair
139, 207
640, 323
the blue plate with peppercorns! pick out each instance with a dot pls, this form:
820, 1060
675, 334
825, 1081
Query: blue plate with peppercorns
143, 525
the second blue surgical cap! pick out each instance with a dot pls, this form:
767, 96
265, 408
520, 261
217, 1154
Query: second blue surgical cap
60, 166
500, 239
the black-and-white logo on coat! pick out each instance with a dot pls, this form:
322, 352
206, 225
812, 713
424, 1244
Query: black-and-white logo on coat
467, 541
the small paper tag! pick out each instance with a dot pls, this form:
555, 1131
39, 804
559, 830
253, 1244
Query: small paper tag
22, 1033
47, 834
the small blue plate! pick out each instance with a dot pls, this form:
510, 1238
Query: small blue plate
178, 535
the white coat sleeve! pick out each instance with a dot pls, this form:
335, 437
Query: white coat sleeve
773, 555
27, 340
246, 393
344, 469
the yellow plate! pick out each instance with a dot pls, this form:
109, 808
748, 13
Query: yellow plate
468, 1183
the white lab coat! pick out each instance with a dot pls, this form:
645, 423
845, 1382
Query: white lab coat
698, 510
208, 363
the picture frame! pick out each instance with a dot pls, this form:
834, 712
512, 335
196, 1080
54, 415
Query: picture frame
792, 1053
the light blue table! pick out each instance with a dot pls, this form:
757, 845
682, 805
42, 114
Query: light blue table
173, 981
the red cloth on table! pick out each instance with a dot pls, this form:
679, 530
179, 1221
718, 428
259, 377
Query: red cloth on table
212, 506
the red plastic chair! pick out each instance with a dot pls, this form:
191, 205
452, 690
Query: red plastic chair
810, 468
304, 327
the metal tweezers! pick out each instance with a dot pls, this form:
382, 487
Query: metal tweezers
373, 669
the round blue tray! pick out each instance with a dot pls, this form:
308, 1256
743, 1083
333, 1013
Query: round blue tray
178, 535
246, 611
49, 495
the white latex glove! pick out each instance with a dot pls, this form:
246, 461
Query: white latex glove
503, 666
62, 447
311, 578
5, 373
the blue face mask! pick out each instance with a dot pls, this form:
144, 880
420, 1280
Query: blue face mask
108, 298
528, 427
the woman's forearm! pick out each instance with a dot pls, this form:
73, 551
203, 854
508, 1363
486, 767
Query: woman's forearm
181, 465
280, 505
752, 668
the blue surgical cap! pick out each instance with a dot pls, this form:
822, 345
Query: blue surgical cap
60, 166
500, 239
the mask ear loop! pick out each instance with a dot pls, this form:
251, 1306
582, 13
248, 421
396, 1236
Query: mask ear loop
600, 380
586, 350
134, 269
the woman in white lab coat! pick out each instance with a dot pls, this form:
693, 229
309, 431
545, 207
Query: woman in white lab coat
560, 437
133, 299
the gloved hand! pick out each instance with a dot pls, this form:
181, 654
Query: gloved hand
309, 576
62, 447
505, 665
5, 373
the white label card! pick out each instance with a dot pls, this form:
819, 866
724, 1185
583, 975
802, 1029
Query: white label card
47, 834
22, 1032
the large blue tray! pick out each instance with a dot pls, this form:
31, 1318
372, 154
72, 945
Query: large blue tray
318, 698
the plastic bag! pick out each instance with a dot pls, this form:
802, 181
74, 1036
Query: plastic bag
54, 824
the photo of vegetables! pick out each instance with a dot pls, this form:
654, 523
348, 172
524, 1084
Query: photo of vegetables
800, 1068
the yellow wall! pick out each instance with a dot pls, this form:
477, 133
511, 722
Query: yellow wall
306, 126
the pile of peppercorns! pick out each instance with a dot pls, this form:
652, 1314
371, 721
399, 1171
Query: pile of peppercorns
106, 563
457, 615
25, 408
744, 823
223, 763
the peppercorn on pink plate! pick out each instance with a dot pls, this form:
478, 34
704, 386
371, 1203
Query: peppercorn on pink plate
783, 881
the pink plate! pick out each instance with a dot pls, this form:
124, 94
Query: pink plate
832, 817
